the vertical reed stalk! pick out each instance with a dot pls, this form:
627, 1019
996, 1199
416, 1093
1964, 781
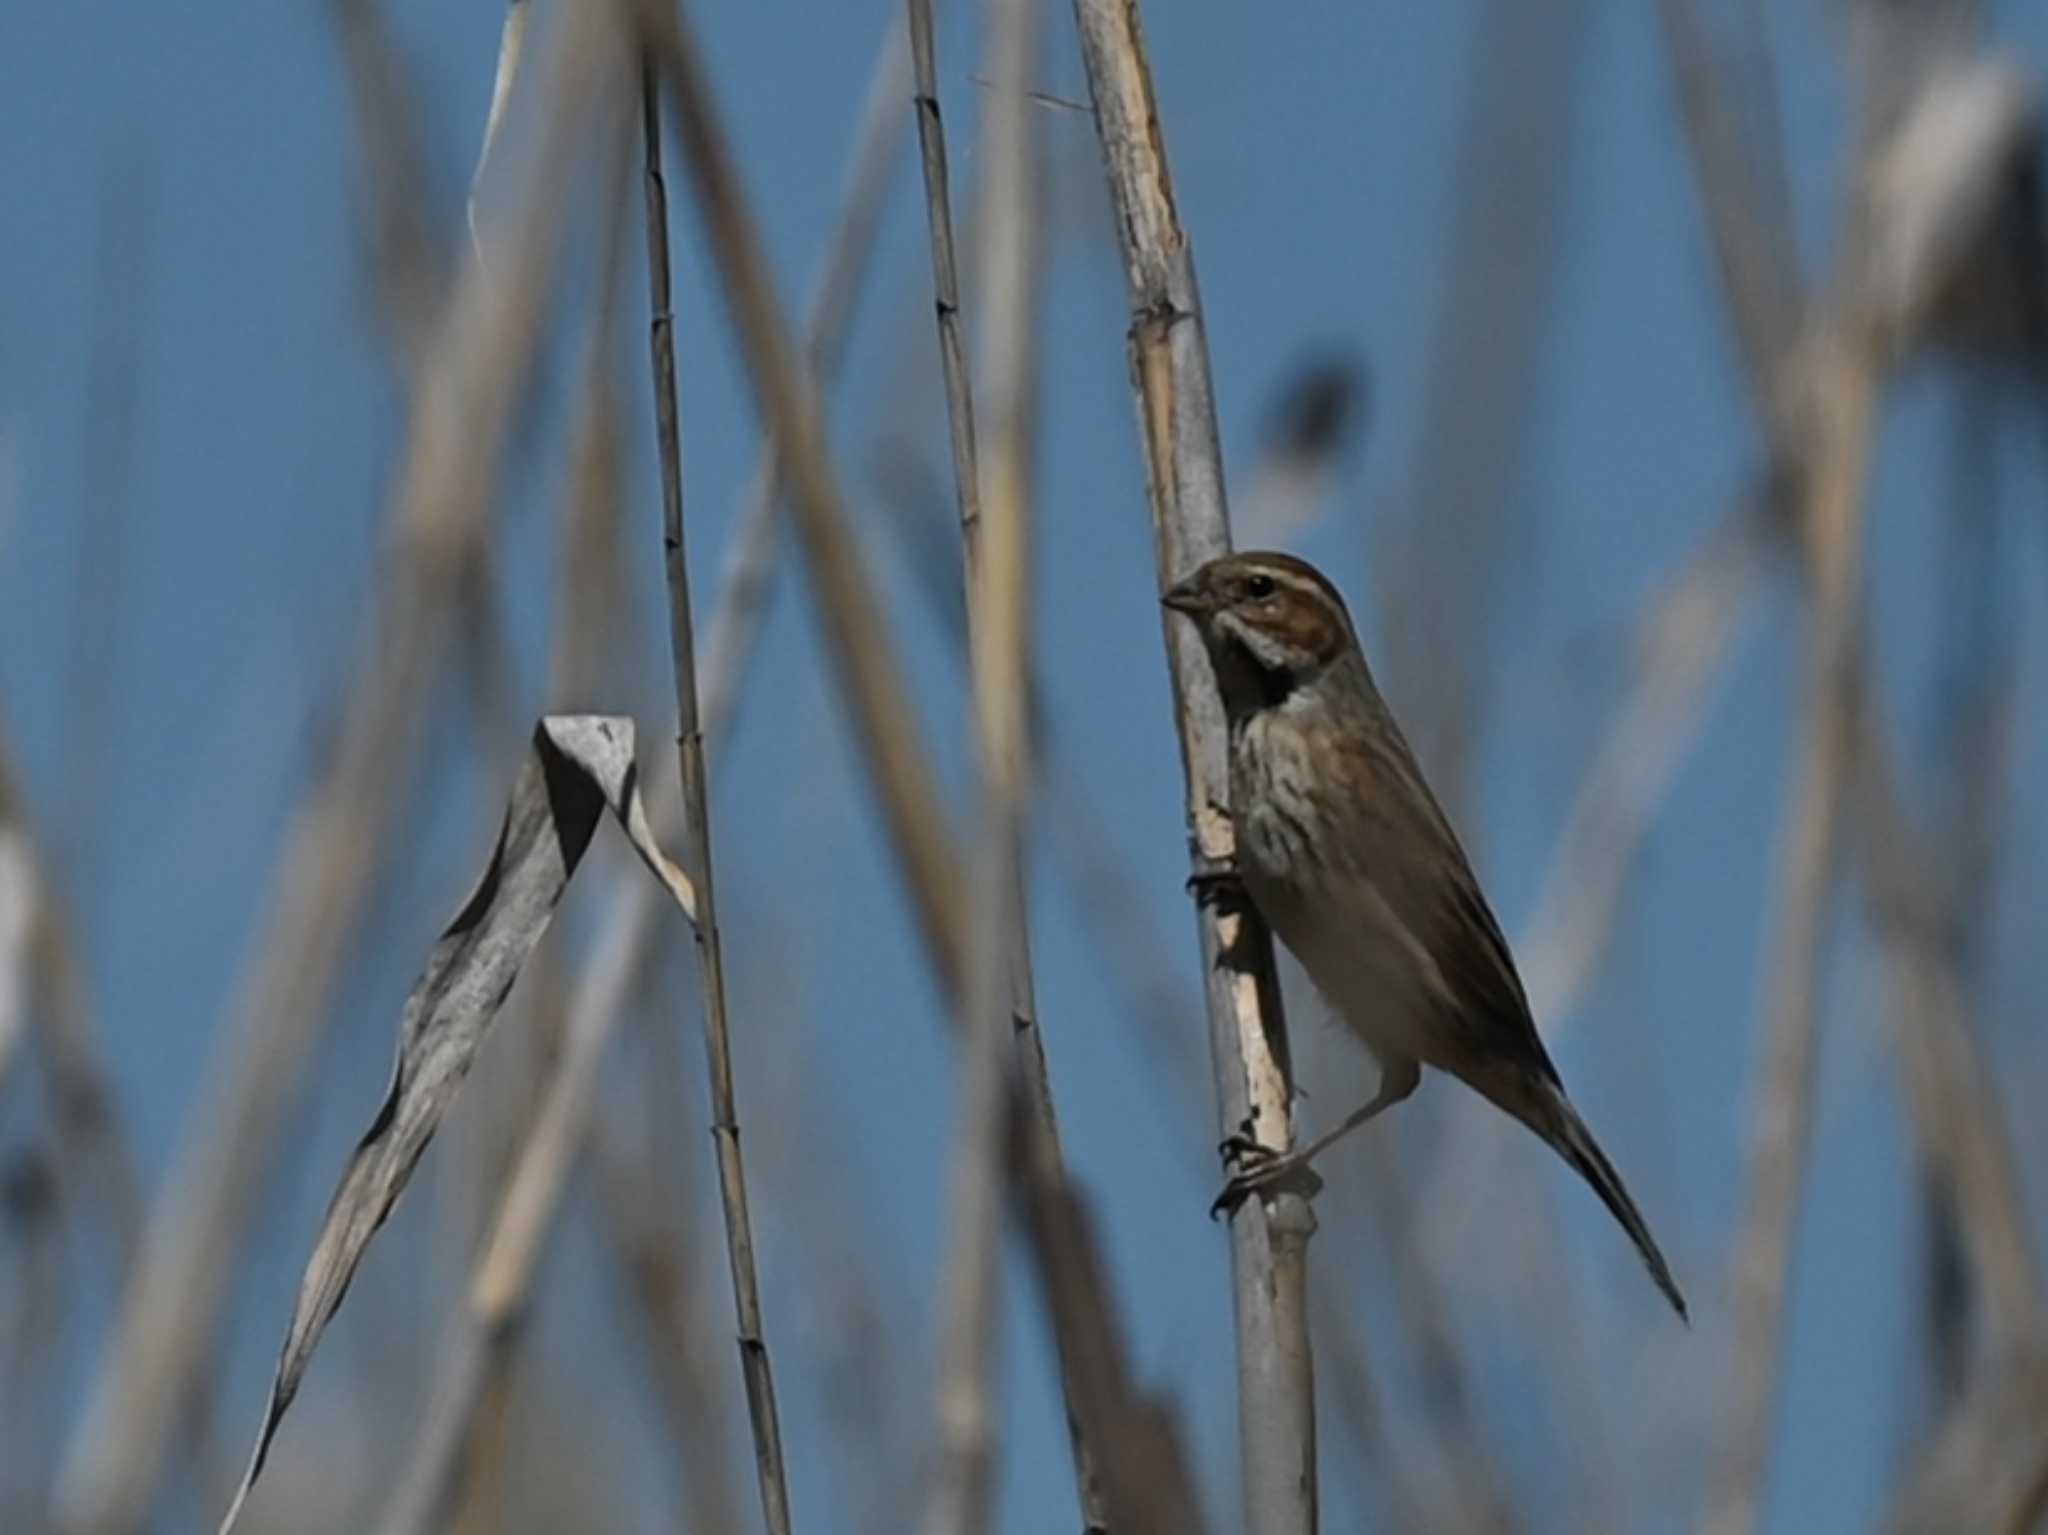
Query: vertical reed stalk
1247, 1035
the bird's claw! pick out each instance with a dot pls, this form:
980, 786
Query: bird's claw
1261, 1169
1242, 1151
1214, 883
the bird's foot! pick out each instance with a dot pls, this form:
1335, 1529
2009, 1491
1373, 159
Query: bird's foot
1261, 1169
1242, 1149
1215, 882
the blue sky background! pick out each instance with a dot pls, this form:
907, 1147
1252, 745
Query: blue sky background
1313, 145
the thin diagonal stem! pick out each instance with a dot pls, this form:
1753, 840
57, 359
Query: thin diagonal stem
698, 861
938, 203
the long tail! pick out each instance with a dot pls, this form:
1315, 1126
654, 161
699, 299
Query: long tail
1559, 1124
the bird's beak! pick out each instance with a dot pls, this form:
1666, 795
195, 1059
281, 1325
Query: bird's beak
1186, 598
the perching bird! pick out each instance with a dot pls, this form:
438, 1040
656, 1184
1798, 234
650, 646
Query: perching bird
1349, 858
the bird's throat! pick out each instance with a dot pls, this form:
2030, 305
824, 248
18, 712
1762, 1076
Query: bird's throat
1247, 684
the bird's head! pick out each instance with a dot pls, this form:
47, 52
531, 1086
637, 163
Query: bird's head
1272, 623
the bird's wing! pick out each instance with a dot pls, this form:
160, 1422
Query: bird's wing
1418, 866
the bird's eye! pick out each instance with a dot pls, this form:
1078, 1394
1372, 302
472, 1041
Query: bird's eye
1257, 587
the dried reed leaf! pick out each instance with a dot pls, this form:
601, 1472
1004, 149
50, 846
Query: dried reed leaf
581, 765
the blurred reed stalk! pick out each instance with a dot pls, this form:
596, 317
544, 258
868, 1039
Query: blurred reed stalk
1845, 386
1987, 1465
43, 998
1468, 1492
1147, 1486
52, 919
1363, 1443
1928, 886
763, 1418
1682, 647
1454, 568
1920, 893
43, 1002
31, 1323
1731, 134
641, 1183
407, 263
746, 578
1248, 1040
997, 1006
102, 607
1009, 233
470, 377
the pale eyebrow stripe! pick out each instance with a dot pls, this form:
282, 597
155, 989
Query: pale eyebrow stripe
1313, 585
